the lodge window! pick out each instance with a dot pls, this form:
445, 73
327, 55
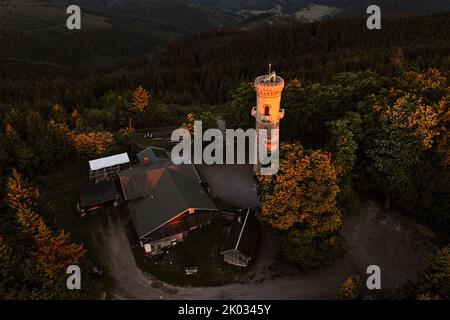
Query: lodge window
266, 110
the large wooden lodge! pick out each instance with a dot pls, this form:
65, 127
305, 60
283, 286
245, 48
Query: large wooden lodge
165, 200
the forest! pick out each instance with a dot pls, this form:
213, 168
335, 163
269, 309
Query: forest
368, 110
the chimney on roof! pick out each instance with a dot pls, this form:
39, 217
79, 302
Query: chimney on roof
146, 161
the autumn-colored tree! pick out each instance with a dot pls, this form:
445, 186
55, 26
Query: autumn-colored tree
350, 289
140, 99
54, 251
301, 199
410, 113
425, 83
189, 124
302, 192
408, 128
398, 58
92, 143
75, 116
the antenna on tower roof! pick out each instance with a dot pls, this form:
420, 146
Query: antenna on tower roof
270, 67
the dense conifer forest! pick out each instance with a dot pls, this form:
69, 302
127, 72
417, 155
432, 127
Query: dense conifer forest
372, 107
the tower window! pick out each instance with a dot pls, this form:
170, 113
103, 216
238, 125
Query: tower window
266, 110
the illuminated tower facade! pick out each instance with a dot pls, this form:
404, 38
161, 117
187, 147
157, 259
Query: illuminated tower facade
267, 111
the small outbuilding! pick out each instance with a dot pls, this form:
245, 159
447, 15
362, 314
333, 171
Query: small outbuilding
106, 169
240, 245
94, 196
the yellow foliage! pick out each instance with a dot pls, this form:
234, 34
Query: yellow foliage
303, 191
398, 58
140, 98
57, 108
53, 251
410, 112
61, 128
75, 115
189, 124
424, 296
19, 193
349, 289
424, 81
10, 131
92, 143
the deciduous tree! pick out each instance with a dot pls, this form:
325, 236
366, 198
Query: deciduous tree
302, 192
54, 251
350, 289
407, 129
140, 99
92, 143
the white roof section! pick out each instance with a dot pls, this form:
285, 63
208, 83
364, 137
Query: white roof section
114, 160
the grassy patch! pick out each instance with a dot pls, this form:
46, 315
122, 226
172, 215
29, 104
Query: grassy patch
316, 12
200, 249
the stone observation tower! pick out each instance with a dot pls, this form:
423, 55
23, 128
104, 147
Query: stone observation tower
267, 111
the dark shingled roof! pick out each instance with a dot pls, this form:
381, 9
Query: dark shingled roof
243, 235
161, 191
91, 193
155, 155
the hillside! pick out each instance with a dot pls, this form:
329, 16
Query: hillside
314, 10
176, 16
39, 44
207, 67
120, 33
36, 42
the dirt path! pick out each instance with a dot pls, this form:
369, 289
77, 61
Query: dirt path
372, 237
